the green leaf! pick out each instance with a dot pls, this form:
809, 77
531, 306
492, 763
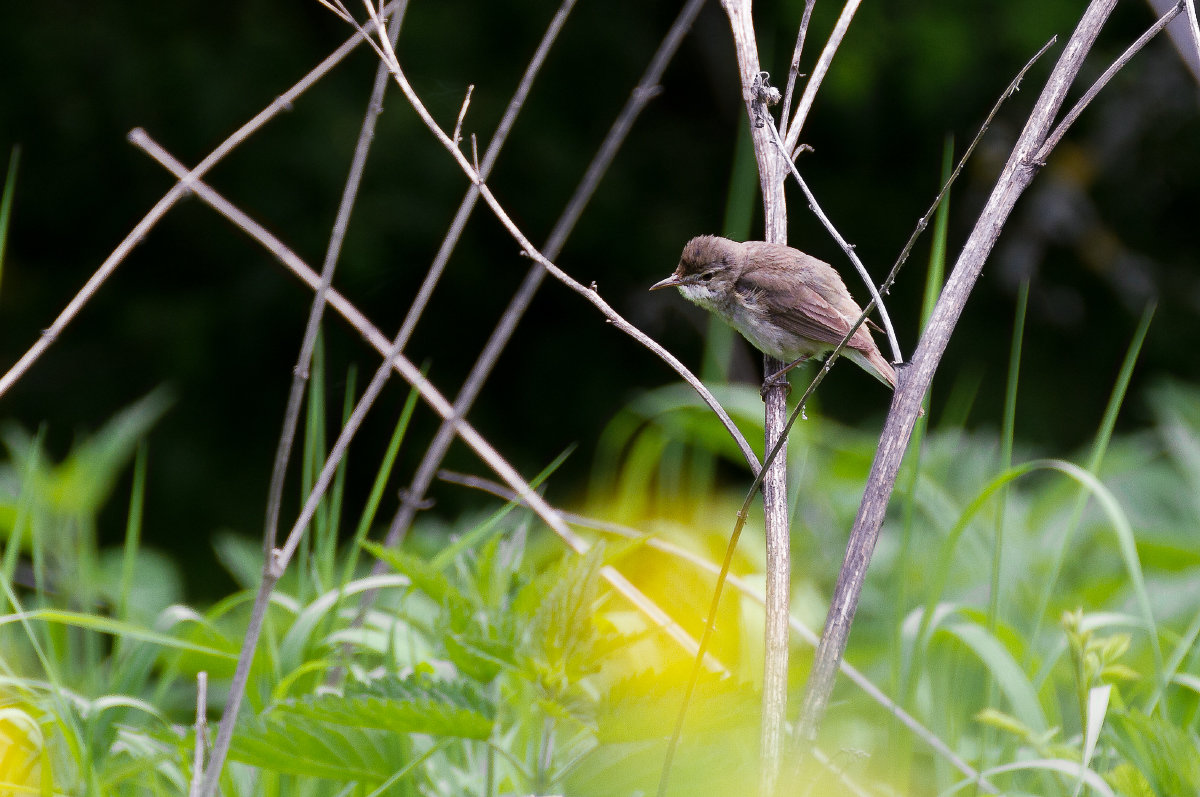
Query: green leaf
478, 657
562, 627
6, 201
81, 484
425, 577
300, 745
415, 705
1004, 669
1168, 757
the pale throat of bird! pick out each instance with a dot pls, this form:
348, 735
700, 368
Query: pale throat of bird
719, 302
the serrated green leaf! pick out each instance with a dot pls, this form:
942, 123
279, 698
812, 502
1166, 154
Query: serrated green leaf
562, 627
479, 658
424, 576
419, 705
299, 745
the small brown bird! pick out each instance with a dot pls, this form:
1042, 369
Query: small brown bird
790, 305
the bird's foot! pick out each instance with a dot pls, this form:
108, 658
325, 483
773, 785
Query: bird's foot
774, 381
779, 378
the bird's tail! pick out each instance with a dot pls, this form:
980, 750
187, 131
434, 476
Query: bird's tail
873, 363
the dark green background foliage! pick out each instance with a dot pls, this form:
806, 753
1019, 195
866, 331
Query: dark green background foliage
1109, 225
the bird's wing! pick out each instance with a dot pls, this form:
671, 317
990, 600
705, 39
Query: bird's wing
804, 310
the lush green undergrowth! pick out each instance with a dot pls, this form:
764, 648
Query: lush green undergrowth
1036, 620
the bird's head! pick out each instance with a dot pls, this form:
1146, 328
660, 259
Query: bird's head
707, 269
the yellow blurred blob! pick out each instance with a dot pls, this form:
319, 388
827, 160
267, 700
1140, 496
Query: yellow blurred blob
22, 754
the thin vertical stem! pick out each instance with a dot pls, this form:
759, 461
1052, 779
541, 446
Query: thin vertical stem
291, 416
521, 300
774, 483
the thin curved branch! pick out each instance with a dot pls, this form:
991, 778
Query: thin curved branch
591, 294
795, 125
291, 415
1061, 128
794, 67
178, 191
641, 94
815, 207
776, 533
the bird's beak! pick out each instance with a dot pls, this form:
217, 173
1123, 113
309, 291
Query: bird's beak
669, 282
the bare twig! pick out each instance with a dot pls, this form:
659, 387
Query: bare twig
201, 744
915, 379
462, 112
177, 192
796, 124
815, 207
411, 374
774, 482
291, 416
482, 170
1184, 37
1194, 23
520, 301
467, 205
794, 67
1061, 128
338, 9
923, 222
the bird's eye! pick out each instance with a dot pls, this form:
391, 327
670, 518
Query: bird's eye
706, 276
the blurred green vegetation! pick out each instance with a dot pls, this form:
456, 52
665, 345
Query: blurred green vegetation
503, 664
197, 307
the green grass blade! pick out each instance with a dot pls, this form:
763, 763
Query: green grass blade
133, 529
936, 273
6, 203
28, 470
380, 484
119, 628
1099, 448
483, 530
1094, 487
1003, 668
1007, 435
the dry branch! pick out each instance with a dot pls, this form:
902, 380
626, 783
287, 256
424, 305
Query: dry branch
393, 360
774, 481
641, 94
291, 415
914, 380
282, 103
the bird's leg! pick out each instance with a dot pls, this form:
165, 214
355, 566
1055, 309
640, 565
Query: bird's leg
780, 376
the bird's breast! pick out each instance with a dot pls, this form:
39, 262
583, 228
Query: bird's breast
744, 311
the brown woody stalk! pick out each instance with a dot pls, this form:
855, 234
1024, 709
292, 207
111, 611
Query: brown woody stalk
915, 379
774, 479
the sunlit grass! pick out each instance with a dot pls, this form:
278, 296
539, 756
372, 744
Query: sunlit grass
495, 663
